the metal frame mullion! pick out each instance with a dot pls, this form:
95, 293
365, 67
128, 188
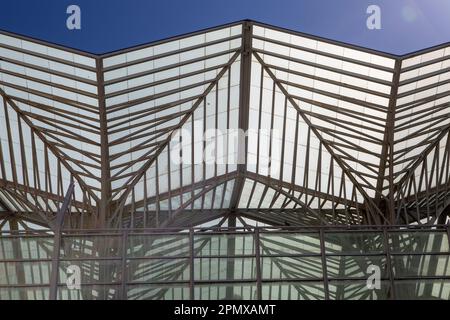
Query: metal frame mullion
244, 109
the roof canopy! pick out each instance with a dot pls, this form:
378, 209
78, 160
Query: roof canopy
345, 135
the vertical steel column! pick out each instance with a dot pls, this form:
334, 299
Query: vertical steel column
124, 265
389, 262
258, 265
191, 258
105, 178
17, 254
244, 107
231, 252
55, 265
57, 241
387, 151
324, 264
448, 234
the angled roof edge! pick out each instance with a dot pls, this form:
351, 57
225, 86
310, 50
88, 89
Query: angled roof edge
261, 24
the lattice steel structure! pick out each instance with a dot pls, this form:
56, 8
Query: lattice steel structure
87, 148
364, 134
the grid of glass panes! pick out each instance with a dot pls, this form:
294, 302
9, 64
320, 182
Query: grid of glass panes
25, 266
422, 110
228, 261
413, 263
158, 266
343, 93
191, 84
291, 265
351, 257
97, 260
421, 264
56, 91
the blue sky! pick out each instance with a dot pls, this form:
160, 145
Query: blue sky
107, 25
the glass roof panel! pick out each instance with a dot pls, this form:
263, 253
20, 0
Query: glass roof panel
320, 110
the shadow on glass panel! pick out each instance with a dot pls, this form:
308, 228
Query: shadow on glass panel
358, 290
158, 292
423, 289
89, 292
235, 291
293, 291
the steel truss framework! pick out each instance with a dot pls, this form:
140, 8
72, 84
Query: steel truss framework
364, 135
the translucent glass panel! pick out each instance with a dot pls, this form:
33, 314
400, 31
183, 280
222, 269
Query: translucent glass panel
194, 145
217, 198
12, 42
343, 93
289, 243
35, 74
156, 258
90, 292
162, 100
294, 268
202, 199
220, 269
428, 58
287, 148
97, 257
351, 290
423, 290
355, 266
92, 271
30, 55
25, 261
25, 273
290, 256
406, 245
427, 178
227, 264
235, 291
418, 255
354, 242
422, 109
293, 291
256, 195
29, 248
22, 79
219, 245
225, 257
149, 92
158, 245
24, 293
158, 292
320, 109
91, 246
412, 242
422, 266
194, 204
27, 160
253, 193
56, 92
158, 270
351, 254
